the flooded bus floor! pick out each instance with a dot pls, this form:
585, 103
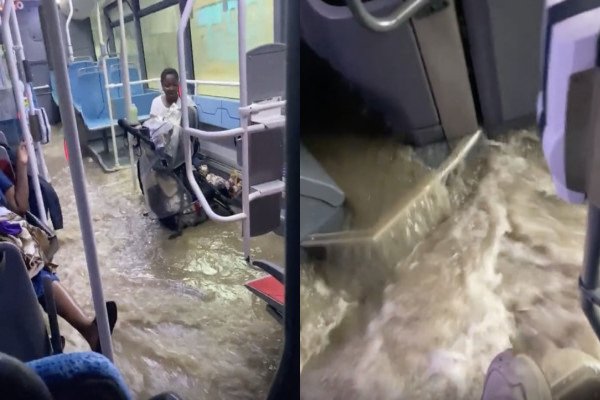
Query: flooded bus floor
500, 271
186, 322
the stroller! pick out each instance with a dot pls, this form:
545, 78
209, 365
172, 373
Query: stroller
163, 181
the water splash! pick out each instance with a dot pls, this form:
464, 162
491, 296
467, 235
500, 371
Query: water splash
501, 271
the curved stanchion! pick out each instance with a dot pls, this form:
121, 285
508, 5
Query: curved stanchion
245, 130
68, 28
385, 24
190, 176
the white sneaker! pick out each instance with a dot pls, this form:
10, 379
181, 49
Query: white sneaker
515, 377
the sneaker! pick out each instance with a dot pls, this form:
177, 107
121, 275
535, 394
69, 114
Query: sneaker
515, 377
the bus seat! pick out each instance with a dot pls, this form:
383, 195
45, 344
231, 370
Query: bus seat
75, 70
19, 382
94, 110
53, 87
112, 61
231, 114
143, 102
22, 329
209, 109
84, 375
134, 75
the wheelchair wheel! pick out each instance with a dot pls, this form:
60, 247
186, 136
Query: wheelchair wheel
171, 223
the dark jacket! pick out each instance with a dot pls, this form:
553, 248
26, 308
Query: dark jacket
51, 203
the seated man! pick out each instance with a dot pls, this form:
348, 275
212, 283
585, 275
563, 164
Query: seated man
16, 199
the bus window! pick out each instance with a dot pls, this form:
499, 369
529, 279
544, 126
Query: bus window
113, 12
215, 42
95, 33
132, 50
159, 31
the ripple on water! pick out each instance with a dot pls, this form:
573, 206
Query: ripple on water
186, 323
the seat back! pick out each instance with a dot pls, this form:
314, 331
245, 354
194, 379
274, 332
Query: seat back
111, 61
83, 375
19, 382
71, 376
22, 329
143, 102
74, 71
93, 105
134, 75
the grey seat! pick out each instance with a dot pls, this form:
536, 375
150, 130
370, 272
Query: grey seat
23, 333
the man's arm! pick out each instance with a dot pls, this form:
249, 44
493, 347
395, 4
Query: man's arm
17, 196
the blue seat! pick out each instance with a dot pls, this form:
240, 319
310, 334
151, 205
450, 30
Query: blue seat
230, 117
82, 375
217, 111
114, 77
209, 109
143, 102
112, 61
74, 71
94, 109
72, 376
134, 75
53, 87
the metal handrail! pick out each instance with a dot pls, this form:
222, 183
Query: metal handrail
68, 29
403, 13
67, 112
11, 60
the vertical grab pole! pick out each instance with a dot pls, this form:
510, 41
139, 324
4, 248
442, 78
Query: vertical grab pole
126, 87
103, 56
185, 118
77, 174
19, 99
244, 124
14, 25
68, 27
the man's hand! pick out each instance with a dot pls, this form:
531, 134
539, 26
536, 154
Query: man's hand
22, 156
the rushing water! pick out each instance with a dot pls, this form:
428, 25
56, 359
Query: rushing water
499, 271
186, 322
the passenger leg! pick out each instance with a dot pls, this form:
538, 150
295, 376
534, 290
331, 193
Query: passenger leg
68, 309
